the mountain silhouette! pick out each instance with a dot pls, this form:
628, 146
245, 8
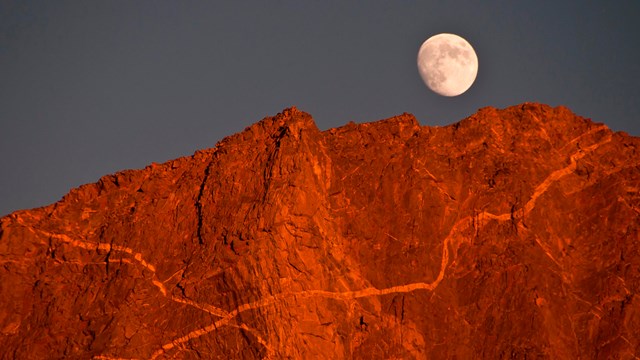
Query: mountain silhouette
513, 233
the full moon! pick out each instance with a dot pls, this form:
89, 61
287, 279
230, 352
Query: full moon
447, 64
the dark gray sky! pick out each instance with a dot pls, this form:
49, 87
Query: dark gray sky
88, 88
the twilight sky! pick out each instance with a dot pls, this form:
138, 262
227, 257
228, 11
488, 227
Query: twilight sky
91, 88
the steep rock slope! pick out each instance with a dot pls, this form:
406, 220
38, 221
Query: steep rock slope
514, 233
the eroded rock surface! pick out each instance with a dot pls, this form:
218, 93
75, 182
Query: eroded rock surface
513, 233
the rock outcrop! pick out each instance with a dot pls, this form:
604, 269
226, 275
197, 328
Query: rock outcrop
513, 233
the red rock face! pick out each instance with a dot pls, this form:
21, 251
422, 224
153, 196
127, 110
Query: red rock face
513, 233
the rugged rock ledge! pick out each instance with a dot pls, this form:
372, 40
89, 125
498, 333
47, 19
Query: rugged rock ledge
513, 233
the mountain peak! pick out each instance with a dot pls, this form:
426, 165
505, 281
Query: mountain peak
514, 231
528, 115
290, 119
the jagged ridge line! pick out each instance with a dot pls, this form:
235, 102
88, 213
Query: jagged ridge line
371, 291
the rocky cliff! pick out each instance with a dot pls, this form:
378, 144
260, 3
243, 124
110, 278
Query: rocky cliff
513, 233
